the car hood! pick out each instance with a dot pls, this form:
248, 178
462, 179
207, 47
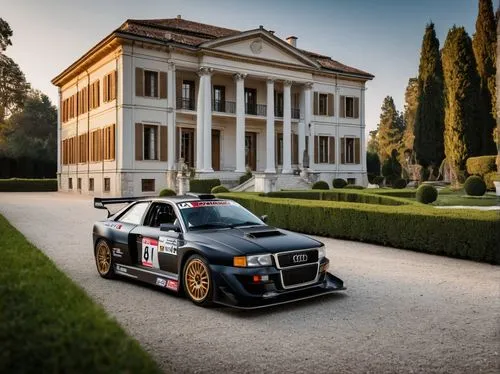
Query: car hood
252, 240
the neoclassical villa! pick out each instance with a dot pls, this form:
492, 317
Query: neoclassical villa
154, 92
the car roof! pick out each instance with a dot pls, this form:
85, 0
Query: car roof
180, 199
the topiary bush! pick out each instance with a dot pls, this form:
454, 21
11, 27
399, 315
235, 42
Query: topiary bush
167, 192
219, 189
489, 178
320, 185
378, 180
339, 183
426, 194
203, 185
475, 186
245, 177
399, 183
481, 165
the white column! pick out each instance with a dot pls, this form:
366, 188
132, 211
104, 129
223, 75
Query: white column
240, 122
207, 123
59, 140
302, 142
308, 118
171, 120
270, 142
200, 109
287, 128
362, 139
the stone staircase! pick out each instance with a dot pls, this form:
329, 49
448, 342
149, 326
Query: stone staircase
282, 182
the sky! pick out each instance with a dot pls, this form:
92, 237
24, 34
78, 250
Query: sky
382, 37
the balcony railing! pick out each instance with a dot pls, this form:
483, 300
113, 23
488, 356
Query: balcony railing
278, 112
224, 106
256, 109
185, 103
295, 113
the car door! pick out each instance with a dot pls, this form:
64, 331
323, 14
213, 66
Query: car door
157, 249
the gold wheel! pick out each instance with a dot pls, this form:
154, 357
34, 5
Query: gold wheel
197, 280
103, 258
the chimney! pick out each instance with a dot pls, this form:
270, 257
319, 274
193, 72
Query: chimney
292, 40
179, 16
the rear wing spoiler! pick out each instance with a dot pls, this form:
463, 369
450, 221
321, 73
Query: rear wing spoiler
101, 202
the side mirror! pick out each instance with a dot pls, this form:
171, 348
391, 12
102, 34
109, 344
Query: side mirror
169, 227
264, 218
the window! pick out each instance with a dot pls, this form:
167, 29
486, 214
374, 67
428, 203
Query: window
109, 87
70, 183
250, 101
186, 146
150, 142
187, 98
278, 104
94, 95
351, 150
96, 145
219, 98
109, 142
79, 183
351, 180
148, 185
349, 107
323, 99
324, 149
160, 213
134, 214
150, 83
107, 184
91, 184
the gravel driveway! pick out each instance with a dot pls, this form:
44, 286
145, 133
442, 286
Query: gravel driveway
402, 312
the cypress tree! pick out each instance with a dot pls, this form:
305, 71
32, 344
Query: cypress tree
411, 103
389, 130
462, 135
484, 45
429, 118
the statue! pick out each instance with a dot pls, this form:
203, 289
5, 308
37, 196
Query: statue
305, 160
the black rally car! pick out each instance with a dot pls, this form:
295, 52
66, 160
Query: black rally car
214, 250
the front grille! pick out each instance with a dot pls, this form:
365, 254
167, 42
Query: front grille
297, 258
299, 275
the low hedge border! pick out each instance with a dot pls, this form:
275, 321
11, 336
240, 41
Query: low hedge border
28, 185
49, 325
420, 228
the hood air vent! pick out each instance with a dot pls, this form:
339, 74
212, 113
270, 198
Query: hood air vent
263, 234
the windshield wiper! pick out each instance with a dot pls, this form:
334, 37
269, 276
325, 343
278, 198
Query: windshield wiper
246, 223
211, 226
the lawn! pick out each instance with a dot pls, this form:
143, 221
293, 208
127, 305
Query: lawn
49, 325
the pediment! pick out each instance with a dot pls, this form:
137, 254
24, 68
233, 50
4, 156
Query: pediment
261, 45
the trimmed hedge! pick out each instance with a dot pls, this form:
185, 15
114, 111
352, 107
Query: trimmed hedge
489, 178
219, 189
245, 177
167, 192
339, 183
475, 186
320, 185
481, 165
378, 180
426, 194
399, 183
411, 226
354, 187
203, 185
28, 185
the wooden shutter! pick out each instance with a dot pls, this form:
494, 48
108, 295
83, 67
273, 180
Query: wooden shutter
356, 107
295, 149
105, 92
330, 106
178, 91
342, 150
331, 149
163, 143
316, 104
139, 82
342, 106
316, 149
113, 85
357, 151
112, 144
138, 141
163, 85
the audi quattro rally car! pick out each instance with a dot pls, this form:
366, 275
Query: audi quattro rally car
214, 250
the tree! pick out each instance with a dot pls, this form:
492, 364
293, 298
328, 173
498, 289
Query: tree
411, 103
429, 118
5, 35
390, 130
372, 145
32, 132
462, 121
484, 45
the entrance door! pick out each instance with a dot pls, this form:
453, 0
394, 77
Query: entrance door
186, 145
251, 150
250, 101
216, 149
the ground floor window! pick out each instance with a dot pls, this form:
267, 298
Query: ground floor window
186, 146
351, 150
148, 185
324, 149
70, 183
107, 184
91, 184
150, 142
79, 183
351, 180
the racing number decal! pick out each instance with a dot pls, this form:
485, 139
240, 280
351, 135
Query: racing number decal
150, 253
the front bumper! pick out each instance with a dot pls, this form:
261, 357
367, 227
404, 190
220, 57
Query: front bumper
233, 288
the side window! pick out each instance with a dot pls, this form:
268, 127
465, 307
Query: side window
161, 213
134, 214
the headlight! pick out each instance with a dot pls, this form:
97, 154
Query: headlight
321, 252
253, 261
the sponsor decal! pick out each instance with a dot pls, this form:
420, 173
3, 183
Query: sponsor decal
113, 225
117, 252
121, 269
168, 245
161, 282
149, 256
172, 285
201, 204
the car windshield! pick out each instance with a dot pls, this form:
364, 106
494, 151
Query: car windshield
213, 214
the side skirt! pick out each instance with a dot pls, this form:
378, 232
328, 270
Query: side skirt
158, 278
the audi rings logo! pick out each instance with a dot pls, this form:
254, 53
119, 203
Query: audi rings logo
299, 258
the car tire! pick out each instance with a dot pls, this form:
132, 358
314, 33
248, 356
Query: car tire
104, 259
197, 281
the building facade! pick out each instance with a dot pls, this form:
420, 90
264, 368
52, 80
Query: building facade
155, 92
